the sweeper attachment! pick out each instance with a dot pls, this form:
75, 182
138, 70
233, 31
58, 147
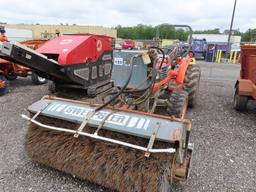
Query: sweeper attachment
118, 148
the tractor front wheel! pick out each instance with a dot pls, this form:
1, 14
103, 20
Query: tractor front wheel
3, 85
191, 83
240, 101
177, 103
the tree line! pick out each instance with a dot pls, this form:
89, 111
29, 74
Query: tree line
166, 32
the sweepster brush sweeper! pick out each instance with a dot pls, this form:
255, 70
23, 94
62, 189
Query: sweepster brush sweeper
116, 139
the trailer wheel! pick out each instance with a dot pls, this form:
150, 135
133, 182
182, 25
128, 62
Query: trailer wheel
240, 101
3, 85
11, 76
191, 83
177, 103
37, 80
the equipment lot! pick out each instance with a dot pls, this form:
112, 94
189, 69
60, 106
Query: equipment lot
225, 140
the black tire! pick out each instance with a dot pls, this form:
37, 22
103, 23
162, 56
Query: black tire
37, 80
240, 101
52, 87
191, 83
4, 90
177, 103
11, 77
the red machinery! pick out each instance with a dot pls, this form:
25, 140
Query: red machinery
128, 44
81, 61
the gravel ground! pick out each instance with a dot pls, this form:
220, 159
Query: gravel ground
224, 154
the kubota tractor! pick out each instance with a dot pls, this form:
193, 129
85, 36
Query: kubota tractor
175, 77
116, 138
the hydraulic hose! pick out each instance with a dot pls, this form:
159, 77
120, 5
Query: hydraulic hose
121, 90
154, 74
162, 52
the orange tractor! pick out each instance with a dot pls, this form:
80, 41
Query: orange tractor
172, 82
10, 70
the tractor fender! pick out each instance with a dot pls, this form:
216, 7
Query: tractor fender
182, 71
192, 61
246, 87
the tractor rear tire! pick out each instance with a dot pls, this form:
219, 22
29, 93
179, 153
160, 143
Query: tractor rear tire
177, 103
37, 80
191, 83
240, 101
3, 90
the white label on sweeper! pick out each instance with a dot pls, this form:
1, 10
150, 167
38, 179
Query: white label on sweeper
115, 118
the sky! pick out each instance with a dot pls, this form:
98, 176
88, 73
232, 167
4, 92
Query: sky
200, 14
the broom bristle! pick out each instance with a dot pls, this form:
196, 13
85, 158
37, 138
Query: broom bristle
112, 166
